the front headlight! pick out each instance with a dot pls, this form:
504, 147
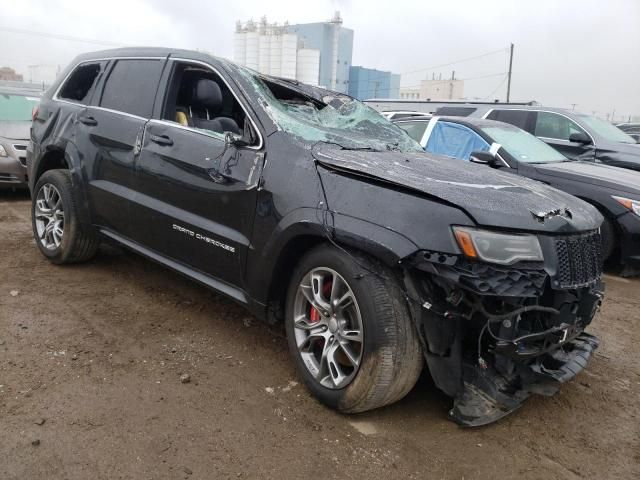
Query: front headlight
633, 205
3, 152
501, 248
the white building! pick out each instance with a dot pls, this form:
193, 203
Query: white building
272, 50
451, 89
42, 74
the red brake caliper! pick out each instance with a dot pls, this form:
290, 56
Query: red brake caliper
314, 314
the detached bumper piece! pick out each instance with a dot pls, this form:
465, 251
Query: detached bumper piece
487, 396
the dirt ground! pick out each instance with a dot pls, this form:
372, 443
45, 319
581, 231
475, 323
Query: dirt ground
96, 352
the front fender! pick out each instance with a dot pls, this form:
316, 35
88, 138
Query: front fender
304, 228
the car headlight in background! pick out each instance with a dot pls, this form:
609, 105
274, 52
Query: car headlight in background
500, 248
633, 205
3, 152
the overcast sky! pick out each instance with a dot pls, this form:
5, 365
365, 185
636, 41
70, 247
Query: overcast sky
583, 52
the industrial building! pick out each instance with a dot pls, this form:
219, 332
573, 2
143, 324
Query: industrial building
365, 83
314, 53
434, 89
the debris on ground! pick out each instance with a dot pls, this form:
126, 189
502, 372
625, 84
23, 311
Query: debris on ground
185, 378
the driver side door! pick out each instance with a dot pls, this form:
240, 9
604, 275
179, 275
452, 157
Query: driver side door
196, 196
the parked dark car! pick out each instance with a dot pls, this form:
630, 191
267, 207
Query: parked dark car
576, 135
631, 129
615, 192
308, 207
15, 121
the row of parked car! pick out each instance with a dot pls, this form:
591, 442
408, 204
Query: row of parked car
312, 209
579, 154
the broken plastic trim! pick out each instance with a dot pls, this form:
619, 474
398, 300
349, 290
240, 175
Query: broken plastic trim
486, 400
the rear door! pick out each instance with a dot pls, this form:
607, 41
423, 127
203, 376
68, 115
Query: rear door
110, 136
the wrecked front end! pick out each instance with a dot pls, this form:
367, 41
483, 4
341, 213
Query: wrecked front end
495, 334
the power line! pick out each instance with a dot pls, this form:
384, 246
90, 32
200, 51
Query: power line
497, 88
457, 61
61, 37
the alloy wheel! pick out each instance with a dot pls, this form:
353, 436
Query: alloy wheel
328, 328
49, 216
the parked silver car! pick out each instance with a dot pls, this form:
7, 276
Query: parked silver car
15, 121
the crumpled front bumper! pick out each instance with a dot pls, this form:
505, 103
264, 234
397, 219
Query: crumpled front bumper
492, 335
486, 398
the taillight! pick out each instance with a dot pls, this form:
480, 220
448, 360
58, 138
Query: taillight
34, 112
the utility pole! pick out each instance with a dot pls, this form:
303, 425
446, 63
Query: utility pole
509, 74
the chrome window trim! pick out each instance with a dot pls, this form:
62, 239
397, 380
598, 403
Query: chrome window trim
169, 123
242, 105
93, 60
161, 121
593, 141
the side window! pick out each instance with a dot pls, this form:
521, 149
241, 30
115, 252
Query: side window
455, 141
131, 86
514, 117
414, 129
79, 85
198, 98
552, 125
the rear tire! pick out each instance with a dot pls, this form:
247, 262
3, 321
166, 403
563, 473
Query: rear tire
59, 233
389, 352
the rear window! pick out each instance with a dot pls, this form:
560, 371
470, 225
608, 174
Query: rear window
514, 117
131, 87
79, 85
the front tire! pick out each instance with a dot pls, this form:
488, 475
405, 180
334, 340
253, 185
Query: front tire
350, 331
60, 234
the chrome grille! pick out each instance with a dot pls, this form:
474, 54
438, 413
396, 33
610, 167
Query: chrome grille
579, 259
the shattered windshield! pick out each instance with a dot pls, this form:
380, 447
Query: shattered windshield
332, 118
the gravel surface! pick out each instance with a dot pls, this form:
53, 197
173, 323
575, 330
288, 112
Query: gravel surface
119, 368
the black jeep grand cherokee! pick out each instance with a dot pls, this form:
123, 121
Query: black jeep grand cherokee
309, 207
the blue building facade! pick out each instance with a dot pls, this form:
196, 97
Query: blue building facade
336, 49
366, 83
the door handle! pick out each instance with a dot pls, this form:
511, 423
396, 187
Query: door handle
90, 121
161, 140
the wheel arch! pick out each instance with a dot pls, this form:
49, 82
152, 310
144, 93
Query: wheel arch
63, 157
54, 158
299, 238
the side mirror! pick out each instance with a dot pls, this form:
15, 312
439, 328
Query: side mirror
483, 158
233, 140
579, 137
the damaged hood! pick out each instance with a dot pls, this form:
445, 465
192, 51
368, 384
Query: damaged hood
490, 197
